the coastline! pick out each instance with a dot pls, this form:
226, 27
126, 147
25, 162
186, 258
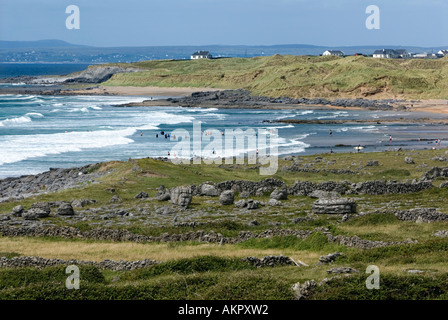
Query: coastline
435, 106
430, 106
141, 91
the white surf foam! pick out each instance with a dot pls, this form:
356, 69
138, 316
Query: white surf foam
34, 114
15, 121
19, 148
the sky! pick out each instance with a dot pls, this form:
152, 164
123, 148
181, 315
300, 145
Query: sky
108, 23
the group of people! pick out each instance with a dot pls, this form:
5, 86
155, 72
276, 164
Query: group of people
165, 134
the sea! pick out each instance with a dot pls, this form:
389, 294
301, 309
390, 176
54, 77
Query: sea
42, 132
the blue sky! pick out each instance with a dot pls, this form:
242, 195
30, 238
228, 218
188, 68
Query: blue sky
248, 22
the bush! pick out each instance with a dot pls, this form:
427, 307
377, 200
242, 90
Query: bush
316, 241
204, 287
392, 287
22, 277
189, 266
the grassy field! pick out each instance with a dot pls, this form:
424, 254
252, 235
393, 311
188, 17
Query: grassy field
193, 270
299, 76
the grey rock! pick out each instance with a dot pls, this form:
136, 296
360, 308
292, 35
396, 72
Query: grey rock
27, 262
415, 271
97, 74
254, 223
441, 234
342, 270
279, 194
274, 203
166, 210
329, 258
227, 197
241, 203
17, 211
164, 197
409, 160
65, 209
244, 194
181, 196
269, 261
372, 163
81, 203
30, 215
38, 210
115, 199
304, 291
209, 190
141, 195
421, 215
334, 206
252, 205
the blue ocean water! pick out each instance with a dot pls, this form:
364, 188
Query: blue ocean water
39, 69
40, 132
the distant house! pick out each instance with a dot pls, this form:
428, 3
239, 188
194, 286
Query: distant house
201, 55
403, 53
442, 52
337, 53
425, 55
386, 54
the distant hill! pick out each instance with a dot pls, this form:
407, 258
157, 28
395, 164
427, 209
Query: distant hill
37, 44
61, 51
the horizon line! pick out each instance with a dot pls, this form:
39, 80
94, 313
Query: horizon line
233, 45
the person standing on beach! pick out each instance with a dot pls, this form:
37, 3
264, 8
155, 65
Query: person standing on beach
390, 139
331, 133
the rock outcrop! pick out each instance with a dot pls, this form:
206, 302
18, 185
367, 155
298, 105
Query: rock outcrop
181, 196
334, 206
227, 197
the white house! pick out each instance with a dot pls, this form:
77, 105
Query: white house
403, 53
201, 55
337, 53
386, 54
425, 55
443, 52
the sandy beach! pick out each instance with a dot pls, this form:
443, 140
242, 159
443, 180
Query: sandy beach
143, 91
432, 106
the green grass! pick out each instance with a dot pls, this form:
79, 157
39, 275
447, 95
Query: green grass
298, 76
392, 287
228, 286
191, 270
23, 277
316, 242
189, 266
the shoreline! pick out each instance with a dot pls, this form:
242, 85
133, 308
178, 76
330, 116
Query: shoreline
185, 95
